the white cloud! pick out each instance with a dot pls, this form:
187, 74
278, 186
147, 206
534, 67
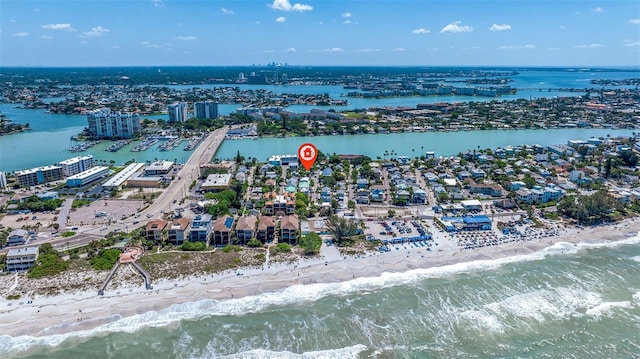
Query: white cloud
597, 9
399, 49
562, 27
588, 46
96, 32
634, 21
291, 50
347, 22
64, 27
285, 5
346, 14
367, 50
503, 27
281, 19
455, 27
157, 3
21, 34
227, 11
186, 38
421, 30
268, 51
149, 45
514, 47
115, 46
333, 49
631, 43
47, 37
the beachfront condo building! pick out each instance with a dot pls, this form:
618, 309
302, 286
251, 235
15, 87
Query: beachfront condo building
289, 229
177, 112
76, 165
21, 259
104, 123
38, 175
178, 231
266, 229
201, 227
222, 230
246, 228
205, 109
156, 230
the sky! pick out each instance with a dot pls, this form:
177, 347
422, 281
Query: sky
62, 33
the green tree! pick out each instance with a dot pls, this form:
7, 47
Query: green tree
342, 229
311, 243
48, 263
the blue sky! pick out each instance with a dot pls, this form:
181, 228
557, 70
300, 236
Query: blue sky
319, 32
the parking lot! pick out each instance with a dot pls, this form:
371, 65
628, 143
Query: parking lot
104, 211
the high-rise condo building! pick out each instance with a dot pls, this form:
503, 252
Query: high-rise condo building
206, 109
177, 112
104, 123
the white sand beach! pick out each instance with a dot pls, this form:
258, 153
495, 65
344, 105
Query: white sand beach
44, 316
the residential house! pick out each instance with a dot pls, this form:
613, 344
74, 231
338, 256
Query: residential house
289, 229
419, 196
201, 226
222, 230
156, 230
490, 189
178, 231
17, 237
266, 229
246, 228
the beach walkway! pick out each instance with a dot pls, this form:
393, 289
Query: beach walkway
128, 257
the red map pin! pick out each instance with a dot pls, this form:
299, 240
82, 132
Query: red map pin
307, 155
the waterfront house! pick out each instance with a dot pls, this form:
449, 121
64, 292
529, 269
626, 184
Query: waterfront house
245, 228
156, 230
222, 230
266, 229
178, 231
17, 237
200, 228
289, 229
21, 259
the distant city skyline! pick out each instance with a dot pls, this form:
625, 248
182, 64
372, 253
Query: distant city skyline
323, 33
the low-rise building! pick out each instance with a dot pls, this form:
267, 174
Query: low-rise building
280, 205
121, 177
158, 168
21, 259
38, 175
245, 228
289, 229
216, 182
88, 176
222, 230
266, 229
178, 231
17, 237
156, 230
201, 228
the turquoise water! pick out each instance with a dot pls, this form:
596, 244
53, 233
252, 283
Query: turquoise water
49, 140
567, 301
410, 144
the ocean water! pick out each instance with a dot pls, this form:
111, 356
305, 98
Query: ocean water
569, 301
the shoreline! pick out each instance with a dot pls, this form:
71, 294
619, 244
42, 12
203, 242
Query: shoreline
243, 289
